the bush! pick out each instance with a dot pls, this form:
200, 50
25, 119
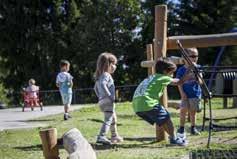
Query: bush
3, 95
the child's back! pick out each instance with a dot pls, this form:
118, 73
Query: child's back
32, 91
63, 79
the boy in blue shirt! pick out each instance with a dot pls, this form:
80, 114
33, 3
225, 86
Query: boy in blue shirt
64, 83
190, 92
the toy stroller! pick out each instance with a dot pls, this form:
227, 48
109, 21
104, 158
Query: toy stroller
31, 96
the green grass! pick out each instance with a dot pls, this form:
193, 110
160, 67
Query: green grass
139, 136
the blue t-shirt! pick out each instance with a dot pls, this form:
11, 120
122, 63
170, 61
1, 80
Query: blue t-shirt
64, 80
190, 87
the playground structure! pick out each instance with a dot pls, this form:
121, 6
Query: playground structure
162, 43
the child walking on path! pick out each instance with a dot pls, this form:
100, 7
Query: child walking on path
146, 99
105, 91
190, 92
64, 83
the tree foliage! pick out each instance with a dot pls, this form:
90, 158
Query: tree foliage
207, 17
37, 34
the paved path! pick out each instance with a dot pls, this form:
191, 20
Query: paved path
14, 118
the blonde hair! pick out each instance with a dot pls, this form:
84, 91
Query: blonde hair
32, 81
103, 62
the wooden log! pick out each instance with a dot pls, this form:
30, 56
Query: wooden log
201, 41
77, 146
151, 63
49, 143
149, 54
160, 51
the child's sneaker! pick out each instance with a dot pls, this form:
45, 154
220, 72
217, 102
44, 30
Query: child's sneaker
194, 131
116, 139
181, 135
103, 140
65, 117
178, 141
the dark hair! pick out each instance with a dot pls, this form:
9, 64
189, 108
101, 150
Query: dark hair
165, 65
103, 62
64, 63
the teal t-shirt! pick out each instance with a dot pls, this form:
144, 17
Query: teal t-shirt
149, 91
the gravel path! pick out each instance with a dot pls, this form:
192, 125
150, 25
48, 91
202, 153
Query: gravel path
14, 118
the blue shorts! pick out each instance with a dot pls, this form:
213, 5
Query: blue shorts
158, 115
66, 98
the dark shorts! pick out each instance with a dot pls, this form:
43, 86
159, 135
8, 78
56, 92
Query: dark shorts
158, 115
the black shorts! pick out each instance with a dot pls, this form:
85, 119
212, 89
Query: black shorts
158, 115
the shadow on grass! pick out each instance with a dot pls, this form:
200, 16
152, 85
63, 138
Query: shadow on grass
38, 120
126, 116
232, 139
140, 139
29, 148
96, 120
125, 146
101, 121
145, 142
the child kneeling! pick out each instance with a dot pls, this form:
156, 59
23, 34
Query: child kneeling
146, 99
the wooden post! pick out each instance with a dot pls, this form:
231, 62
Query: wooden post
149, 54
235, 92
49, 143
160, 51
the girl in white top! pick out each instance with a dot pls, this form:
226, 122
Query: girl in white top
105, 91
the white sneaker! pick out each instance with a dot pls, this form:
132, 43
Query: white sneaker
116, 139
181, 135
103, 140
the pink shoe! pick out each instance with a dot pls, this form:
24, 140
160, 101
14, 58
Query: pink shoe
116, 139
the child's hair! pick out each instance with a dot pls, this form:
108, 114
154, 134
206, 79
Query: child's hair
164, 64
64, 63
191, 50
32, 81
103, 62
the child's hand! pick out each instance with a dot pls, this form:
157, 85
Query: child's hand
111, 98
183, 96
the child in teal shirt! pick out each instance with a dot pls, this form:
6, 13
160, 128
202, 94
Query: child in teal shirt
146, 99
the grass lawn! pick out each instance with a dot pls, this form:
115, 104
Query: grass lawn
139, 136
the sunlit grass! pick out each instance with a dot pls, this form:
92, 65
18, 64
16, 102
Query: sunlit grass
139, 136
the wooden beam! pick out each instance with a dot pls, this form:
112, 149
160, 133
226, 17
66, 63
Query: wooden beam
160, 51
149, 54
151, 63
200, 41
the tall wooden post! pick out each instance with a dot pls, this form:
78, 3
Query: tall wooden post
235, 92
49, 143
149, 54
160, 48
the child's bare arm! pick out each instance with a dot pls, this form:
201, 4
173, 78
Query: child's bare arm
177, 81
181, 92
96, 91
